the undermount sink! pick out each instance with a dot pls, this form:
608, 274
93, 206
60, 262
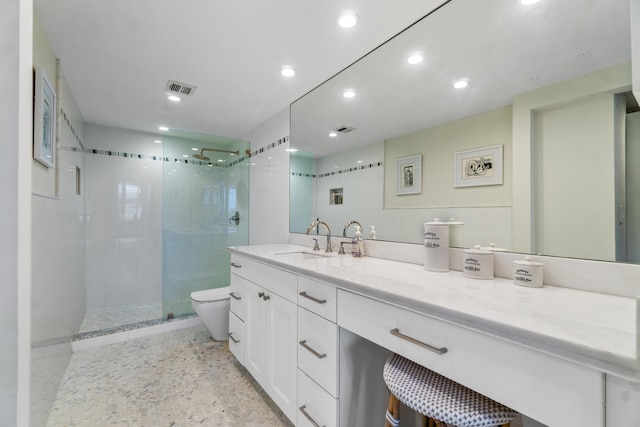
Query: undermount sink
304, 254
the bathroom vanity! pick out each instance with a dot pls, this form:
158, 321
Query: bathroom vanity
314, 330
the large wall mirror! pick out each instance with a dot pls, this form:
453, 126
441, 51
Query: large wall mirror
547, 109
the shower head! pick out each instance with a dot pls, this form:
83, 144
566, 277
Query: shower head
202, 157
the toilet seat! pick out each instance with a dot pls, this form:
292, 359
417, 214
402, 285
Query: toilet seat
211, 295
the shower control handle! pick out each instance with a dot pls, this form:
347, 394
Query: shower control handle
235, 218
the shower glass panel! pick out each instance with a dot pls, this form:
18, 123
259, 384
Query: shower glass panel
205, 210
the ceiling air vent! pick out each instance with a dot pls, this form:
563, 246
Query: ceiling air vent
345, 129
180, 88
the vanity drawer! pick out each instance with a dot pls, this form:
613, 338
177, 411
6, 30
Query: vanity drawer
273, 279
550, 390
318, 297
236, 337
318, 349
237, 297
316, 407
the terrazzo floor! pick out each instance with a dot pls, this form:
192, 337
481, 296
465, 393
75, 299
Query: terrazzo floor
180, 378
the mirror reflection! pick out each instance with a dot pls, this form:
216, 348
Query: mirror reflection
548, 83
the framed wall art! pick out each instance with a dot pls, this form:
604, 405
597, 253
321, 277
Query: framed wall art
409, 175
481, 166
44, 120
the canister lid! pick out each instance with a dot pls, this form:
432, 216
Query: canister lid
452, 221
528, 262
477, 250
494, 248
436, 221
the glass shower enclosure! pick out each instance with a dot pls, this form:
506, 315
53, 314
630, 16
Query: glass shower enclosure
205, 210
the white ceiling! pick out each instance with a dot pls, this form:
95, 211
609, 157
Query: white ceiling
118, 55
503, 47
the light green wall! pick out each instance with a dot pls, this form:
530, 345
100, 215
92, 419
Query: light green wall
43, 178
438, 146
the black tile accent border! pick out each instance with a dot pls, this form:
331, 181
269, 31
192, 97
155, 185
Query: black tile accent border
338, 172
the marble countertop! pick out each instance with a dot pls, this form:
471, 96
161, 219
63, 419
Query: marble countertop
589, 328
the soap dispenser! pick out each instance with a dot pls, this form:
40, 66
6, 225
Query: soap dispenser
372, 233
357, 244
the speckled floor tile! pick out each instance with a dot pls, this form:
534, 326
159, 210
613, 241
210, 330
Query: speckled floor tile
181, 378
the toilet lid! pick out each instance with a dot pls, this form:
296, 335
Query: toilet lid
210, 295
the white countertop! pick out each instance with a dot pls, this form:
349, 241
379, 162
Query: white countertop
589, 328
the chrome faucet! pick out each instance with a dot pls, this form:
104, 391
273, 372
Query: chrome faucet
324, 224
349, 224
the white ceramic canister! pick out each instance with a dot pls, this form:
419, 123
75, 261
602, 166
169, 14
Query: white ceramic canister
436, 245
456, 233
478, 263
528, 273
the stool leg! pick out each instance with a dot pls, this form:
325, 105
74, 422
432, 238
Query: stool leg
393, 412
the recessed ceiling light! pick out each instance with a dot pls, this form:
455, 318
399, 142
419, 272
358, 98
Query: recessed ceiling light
461, 84
349, 93
348, 19
333, 134
163, 128
287, 71
173, 98
415, 58
157, 141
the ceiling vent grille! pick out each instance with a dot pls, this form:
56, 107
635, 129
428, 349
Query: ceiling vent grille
345, 129
180, 88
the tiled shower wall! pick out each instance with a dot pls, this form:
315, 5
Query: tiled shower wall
124, 217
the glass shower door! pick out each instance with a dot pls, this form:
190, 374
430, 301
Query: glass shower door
205, 210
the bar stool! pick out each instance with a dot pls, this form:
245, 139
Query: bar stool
438, 399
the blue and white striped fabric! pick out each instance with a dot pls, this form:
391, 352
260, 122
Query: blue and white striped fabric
440, 398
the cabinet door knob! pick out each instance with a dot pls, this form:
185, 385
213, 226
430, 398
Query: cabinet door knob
266, 297
261, 295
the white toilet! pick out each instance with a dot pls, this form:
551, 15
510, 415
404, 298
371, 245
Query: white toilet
212, 306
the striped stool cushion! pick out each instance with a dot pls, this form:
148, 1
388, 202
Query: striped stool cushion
440, 398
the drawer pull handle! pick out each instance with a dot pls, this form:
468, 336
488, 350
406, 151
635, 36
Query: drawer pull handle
232, 338
307, 416
319, 301
233, 264
303, 343
234, 296
396, 332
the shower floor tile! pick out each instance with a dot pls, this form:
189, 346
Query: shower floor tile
98, 319
180, 378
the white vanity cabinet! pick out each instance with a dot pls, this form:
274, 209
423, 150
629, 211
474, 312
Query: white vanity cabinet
237, 313
318, 355
270, 335
548, 389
